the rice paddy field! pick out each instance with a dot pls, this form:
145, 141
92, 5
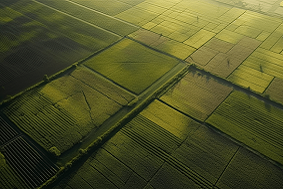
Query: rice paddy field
148, 94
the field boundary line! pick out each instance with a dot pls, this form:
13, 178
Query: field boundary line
102, 13
268, 85
227, 165
77, 18
223, 81
195, 177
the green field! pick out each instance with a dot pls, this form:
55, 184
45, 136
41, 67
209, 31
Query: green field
157, 41
90, 16
275, 90
147, 94
64, 111
196, 95
252, 122
9, 178
247, 170
162, 148
131, 65
36, 40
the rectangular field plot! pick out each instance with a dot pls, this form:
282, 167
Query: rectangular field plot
274, 41
89, 15
247, 170
36, 40
253, 122
258, 70
163, 148
175, 48
31, 166
221, 57
192, 22
250, 78
196, 95
131, 65
180, 142
266, 62
7, 132
59, 114
275, 90
9, 178
109, 7
254, 25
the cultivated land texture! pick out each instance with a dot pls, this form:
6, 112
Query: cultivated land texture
162, 148
141, 94
67, 108
131, 65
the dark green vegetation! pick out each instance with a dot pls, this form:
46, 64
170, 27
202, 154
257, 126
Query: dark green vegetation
131, 65
89, 15
162, 148
9, 178
247, 170
37, 40
253, 122
67, 108
119, 104
21, 165
185, 97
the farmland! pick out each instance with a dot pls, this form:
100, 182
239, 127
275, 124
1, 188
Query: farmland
68, 108
184, 95
37, 40
141, 94
153, 151
252, 122
21, 165
128, 59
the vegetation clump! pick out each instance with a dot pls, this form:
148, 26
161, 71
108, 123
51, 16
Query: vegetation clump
53, 150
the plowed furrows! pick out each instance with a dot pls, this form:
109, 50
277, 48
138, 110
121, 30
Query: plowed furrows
147, 130
22, 171
52, 123
26, 159
5, 177
54, 113
63, 114
169, 159
259, 129
35, 122
40, 165
155, 127
24, 162
45, 122
8, 176
52, 168
7, 132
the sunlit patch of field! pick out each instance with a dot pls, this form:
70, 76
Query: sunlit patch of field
196, 95
251, 121
131, 65
65, 110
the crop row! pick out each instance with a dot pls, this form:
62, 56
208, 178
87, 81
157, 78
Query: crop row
7, 132
28, 163
40, 119
6, 74
9, 178
91, 37
251, 121
93, 17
